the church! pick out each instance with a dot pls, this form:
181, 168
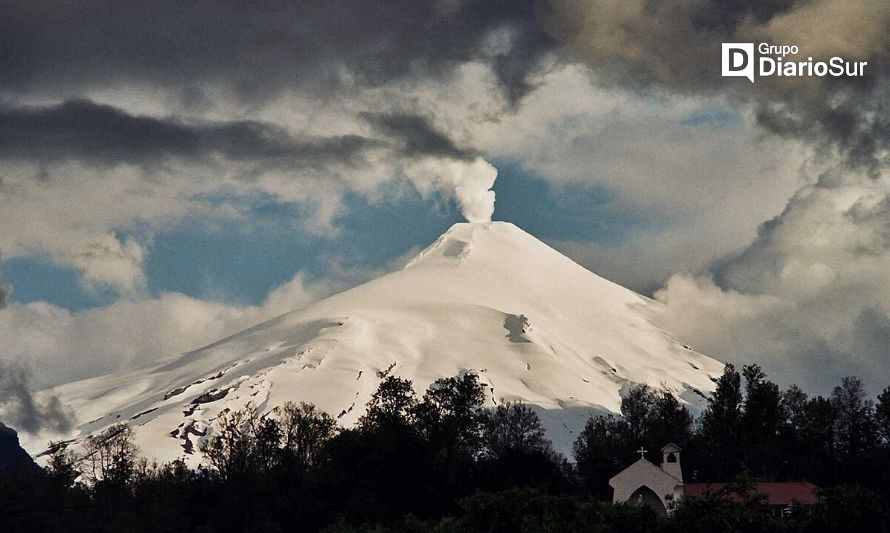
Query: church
645, 483
648, 484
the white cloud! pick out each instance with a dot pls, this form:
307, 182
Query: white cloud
70, 213
60, 346
110, 261
809, 299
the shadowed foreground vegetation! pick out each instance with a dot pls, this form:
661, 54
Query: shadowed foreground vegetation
443, 462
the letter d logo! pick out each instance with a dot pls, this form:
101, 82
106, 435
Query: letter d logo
738, 60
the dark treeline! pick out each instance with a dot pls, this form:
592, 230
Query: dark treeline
443, 462
751, 427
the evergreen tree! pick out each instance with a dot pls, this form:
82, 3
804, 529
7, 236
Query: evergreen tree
762, 421
61, 466
669, 421
821, 442
882, 416
794, 447
598, 453
636, 411
720, 437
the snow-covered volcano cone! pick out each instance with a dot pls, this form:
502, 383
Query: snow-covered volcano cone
487, 297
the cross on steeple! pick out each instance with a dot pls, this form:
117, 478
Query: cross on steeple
642, 452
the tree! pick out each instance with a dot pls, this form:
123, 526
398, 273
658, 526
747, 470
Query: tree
882, 415
721, 428
391, 406
266, 434
795, 447
848, 508
516, 452
382, 468
305, 431
111, 456
61, 467
636, 410
513, 426
598, 451
231, 448
820, 440
761, 423
450, 416
855, 416
794, 408
669, 421
855, 428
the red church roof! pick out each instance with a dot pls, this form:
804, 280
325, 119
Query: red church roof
777, 493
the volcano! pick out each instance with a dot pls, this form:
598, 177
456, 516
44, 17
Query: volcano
485, 297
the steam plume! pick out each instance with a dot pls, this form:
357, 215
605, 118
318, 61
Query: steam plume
468, 183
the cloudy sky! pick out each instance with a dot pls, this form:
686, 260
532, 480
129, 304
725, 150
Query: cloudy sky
173, 172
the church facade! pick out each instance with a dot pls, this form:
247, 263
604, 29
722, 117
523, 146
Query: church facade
645, 483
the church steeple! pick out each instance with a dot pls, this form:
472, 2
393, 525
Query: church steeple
670, 460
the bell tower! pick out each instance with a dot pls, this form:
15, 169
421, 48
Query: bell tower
670, 461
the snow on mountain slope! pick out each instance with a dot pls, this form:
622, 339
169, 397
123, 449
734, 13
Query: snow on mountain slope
486, 297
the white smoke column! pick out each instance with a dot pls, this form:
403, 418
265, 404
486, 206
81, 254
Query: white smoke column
468, 183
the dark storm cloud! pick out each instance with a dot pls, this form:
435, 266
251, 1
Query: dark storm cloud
62, 48
854, 120
86, 131
258, 48
646, 45
417, 136
21, 409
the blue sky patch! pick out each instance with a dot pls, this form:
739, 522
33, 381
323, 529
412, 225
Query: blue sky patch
240, 260
38, 279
